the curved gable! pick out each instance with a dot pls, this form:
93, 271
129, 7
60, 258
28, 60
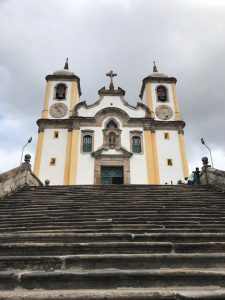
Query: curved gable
108, 102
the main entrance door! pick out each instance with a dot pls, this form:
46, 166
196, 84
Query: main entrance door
112, 175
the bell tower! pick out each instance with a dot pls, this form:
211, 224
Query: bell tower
158, 92
62, 94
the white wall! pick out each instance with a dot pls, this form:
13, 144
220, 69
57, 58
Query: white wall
169, 149
53, 147
138, 168
85, 164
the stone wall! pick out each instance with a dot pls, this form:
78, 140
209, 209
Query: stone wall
16, 178
213, 176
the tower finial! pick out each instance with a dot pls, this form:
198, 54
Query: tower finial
154, 67
66, 67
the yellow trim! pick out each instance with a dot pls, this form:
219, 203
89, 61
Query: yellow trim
175, 100
183, 155
149, 157
74, 157
149, 102
155, 158
44, 114
68, 157
37, 161
73, 96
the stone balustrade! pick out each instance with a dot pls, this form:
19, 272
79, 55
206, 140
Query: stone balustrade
211, 175
14, 179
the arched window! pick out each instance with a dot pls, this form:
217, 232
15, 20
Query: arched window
60, 92
111, 124
136, 144
87, 143
161, 93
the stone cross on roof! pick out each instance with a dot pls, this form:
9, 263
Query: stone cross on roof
111, 75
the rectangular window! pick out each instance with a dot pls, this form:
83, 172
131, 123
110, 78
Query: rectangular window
166, 135
169, 162
136, 144
87, 143
56, 134
52, 161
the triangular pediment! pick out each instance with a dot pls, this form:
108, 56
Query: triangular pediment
115, 151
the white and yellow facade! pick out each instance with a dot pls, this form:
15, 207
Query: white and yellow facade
144, 143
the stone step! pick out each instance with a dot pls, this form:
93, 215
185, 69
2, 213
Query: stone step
110, 221
175, 293
116, 218
133, 230
85, 216
110, 224
142, 197
22, 230
31, 249
113, 261
112, 279
116, 207
68, 237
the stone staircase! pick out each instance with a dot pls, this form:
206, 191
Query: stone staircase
113, 242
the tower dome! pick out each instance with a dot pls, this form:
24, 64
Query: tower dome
156, 73
65, 71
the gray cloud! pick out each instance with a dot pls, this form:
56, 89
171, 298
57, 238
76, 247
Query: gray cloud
186, 38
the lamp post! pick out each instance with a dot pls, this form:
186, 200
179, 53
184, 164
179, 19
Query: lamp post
203, 143
28, 142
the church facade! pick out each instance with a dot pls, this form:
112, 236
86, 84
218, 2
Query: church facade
110, 141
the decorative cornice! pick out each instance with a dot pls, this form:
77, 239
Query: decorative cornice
76, 122
180, 130
41, 129
136, 132
66, 78
171, 125
87, 131
152, 128
54, 123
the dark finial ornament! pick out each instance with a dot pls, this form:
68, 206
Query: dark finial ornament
27, 158
47, 182
111, 75
66, 67
154, 67
205, 161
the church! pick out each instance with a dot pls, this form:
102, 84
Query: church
110, 141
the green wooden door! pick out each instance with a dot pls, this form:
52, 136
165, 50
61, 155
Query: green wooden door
109, 174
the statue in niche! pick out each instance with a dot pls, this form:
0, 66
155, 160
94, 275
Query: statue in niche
112, 140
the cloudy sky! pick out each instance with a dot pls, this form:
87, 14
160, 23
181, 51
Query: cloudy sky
186, 38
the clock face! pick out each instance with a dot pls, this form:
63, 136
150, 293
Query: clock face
164, 112
58, 110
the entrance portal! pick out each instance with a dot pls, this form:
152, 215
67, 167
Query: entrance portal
112, 175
